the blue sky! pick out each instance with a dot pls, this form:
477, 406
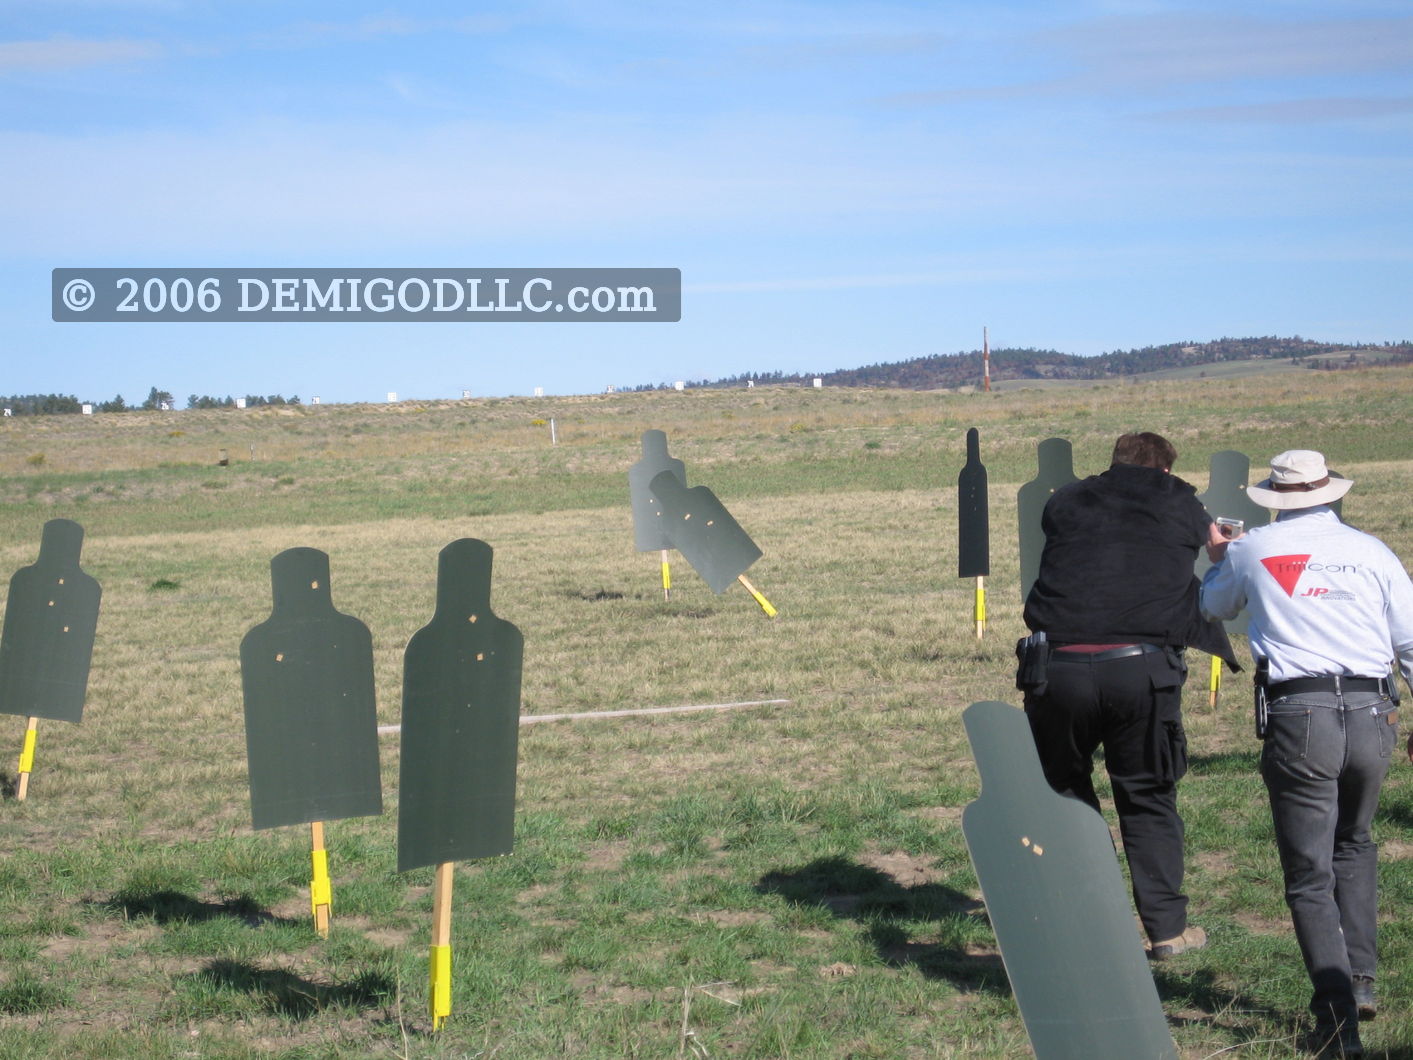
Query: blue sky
840, 183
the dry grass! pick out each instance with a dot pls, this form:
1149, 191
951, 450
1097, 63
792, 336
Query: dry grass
655, 854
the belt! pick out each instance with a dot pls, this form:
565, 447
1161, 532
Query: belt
1128, 650
1328, 683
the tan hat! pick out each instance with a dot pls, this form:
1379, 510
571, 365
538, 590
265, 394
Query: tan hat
1298, 479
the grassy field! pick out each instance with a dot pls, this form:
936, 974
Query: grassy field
786, 880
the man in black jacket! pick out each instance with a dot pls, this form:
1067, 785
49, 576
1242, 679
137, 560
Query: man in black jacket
1117, 602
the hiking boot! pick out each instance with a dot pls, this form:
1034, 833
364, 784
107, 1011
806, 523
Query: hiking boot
1193, 938
1364, 997
1336, 1042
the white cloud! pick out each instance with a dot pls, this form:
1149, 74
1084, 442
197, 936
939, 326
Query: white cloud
1293, 111
67, 53
1195, 48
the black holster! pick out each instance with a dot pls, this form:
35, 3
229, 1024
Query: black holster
1033, 655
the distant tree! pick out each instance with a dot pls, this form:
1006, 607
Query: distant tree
41, 404
116, 405
157, 399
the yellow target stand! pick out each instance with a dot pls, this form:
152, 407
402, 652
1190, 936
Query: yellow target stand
979, 610
321, 890
765, 604
439, 963
1214, 683
26, 766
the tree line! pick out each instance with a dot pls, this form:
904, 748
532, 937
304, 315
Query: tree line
157, 400
951, 370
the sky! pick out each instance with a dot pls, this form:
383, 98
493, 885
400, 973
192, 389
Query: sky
840, 183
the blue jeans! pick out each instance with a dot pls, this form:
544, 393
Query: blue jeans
1323, 761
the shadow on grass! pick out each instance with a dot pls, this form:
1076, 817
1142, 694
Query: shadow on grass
1250, 1020
875, 899
9, 786
174, 907
285, 994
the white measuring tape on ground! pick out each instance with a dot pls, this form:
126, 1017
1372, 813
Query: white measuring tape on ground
529, 719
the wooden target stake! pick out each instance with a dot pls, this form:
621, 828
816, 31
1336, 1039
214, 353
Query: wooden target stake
439, 992
760, 599
321, 891
666, 576
27, 759
1214, 683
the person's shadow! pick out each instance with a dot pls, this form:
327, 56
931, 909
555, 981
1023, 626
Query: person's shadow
887, 909
889, 912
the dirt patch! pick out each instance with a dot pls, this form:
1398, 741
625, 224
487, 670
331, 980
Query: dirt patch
907, 870
392, 939
950, 814
730, 917
1217, 862
1395, 850
594, 991
981, 949
99, 938
294, 909
607, 858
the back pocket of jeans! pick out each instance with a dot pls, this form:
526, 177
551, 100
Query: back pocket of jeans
1386, 720
1288, 735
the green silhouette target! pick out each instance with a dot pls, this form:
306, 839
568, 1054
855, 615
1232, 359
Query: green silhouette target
51, 618
460, 721
311, 723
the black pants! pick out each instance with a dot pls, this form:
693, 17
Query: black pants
1132, 707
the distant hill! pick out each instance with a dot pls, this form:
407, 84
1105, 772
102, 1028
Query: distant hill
952, 370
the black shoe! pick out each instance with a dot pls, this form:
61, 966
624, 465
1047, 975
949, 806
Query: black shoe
1336, 1042
1364, 997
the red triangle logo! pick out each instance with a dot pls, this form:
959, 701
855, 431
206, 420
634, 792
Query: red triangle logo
1286, 570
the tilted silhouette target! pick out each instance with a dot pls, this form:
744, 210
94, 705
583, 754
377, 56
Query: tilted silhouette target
700, 527
1056, 899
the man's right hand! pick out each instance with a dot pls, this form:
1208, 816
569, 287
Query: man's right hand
1217, 542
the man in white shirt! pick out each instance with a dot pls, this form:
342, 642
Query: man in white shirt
1329, 608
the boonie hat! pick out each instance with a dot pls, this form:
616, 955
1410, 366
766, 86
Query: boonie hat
1298, 479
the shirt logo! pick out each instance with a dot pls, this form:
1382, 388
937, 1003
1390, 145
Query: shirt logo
1286, 570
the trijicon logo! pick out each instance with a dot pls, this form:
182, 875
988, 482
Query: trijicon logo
1286, 570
